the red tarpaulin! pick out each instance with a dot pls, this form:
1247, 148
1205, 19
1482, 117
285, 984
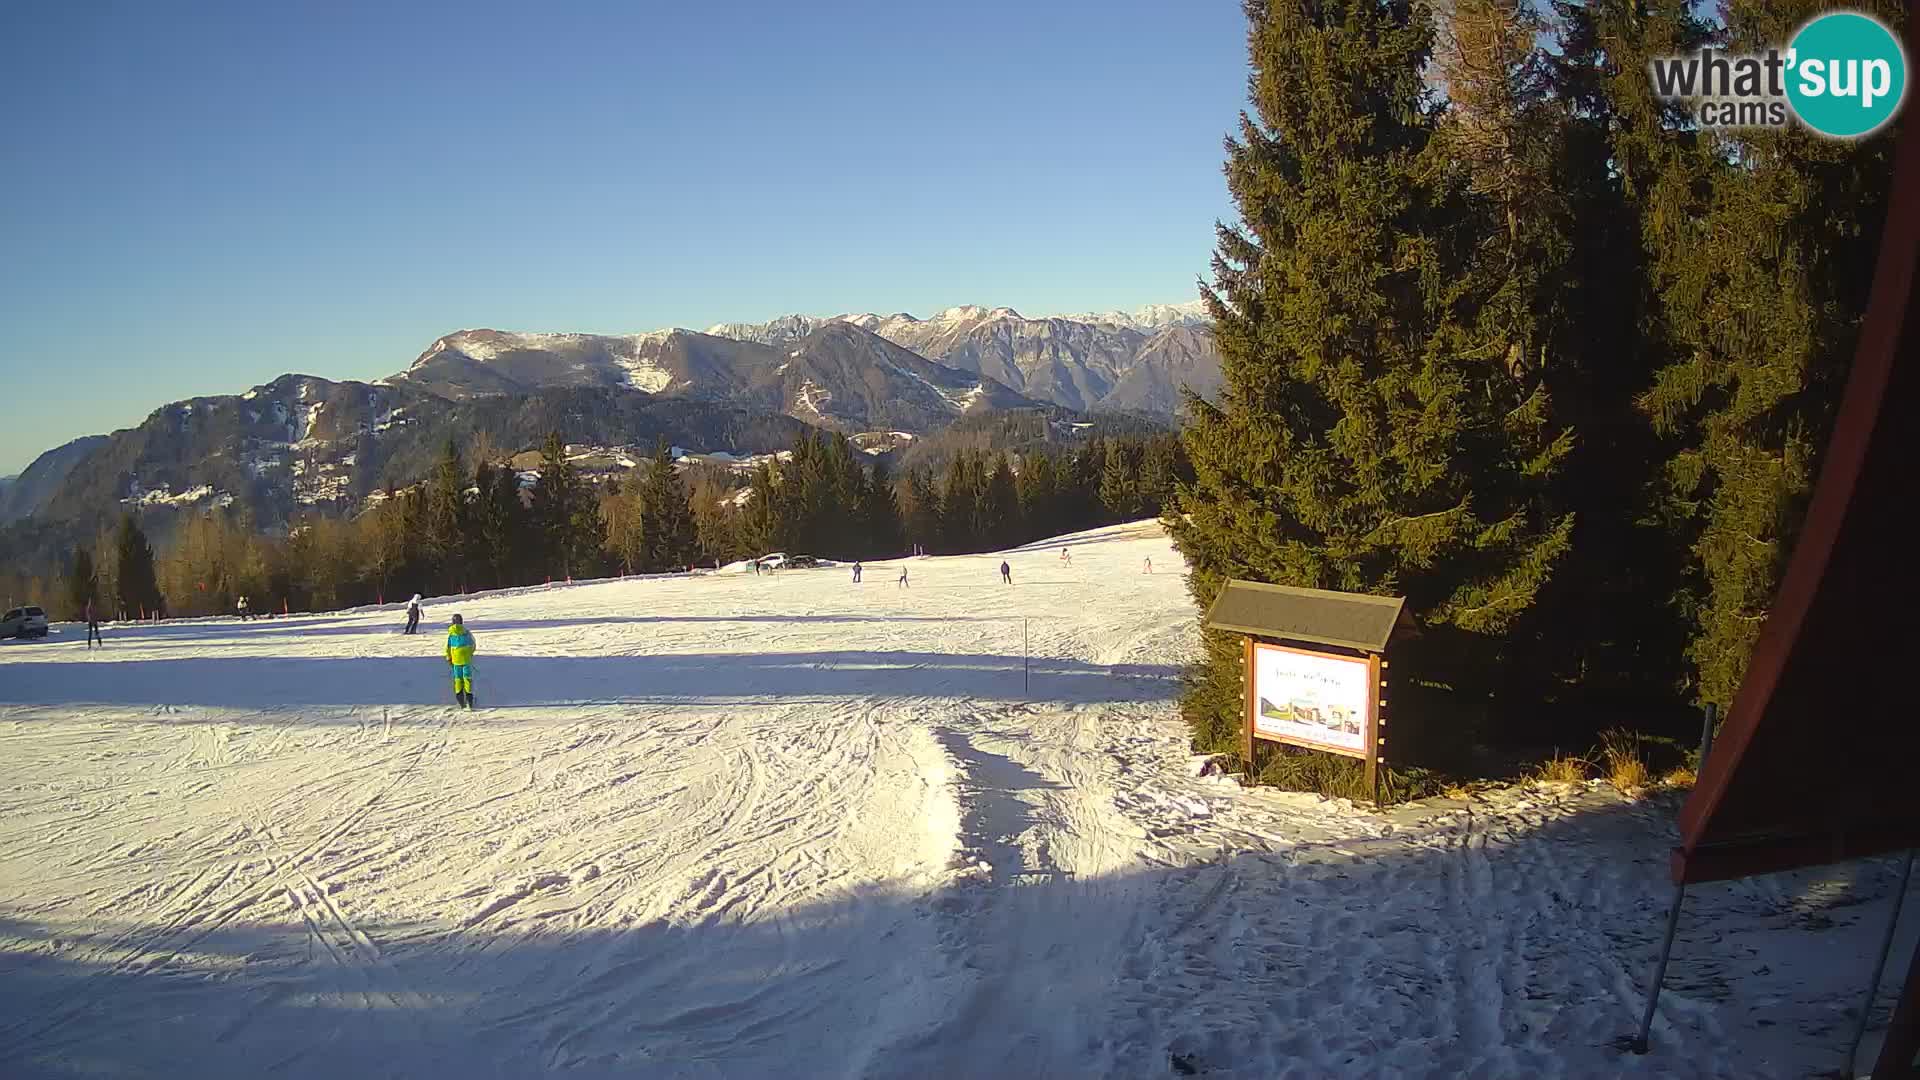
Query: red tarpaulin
1817, 760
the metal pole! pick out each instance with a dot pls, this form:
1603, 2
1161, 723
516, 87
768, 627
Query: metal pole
1660, 971
1640, 1045
1026, 668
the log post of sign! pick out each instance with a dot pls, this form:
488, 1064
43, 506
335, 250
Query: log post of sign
1313, 661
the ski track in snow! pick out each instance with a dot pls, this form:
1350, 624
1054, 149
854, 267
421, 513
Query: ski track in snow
721, 825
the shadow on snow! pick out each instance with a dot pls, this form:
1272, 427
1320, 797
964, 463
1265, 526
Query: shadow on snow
1243, 965
256, 682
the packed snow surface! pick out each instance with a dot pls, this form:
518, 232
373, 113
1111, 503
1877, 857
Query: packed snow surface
724, 825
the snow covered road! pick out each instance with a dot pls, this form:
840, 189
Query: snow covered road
727, 825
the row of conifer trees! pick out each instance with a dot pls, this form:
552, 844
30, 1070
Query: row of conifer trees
485, 525
1508, 335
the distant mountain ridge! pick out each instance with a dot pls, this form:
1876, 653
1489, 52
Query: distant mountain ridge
836, 376
22, 495
1084, 362
304, 441
307, 442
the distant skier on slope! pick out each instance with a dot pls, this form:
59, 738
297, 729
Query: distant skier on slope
856, 573
1006, 572
903, 578
460, 658
413, 614
245, 612
1149, 568
1066, 556
93, 628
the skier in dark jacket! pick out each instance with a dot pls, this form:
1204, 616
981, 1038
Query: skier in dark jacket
413, 614
1006, 572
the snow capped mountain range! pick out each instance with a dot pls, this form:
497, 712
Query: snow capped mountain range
302, 441
1135, 360
837, 375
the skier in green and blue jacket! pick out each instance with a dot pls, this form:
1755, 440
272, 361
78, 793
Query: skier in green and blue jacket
460, 657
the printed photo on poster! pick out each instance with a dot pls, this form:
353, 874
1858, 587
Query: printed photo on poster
1314, 700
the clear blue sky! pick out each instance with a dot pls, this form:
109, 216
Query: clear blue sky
197, 198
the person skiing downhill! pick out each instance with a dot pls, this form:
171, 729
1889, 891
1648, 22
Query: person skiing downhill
856, 573
903, 579
413, 615
460, 658
1006, 572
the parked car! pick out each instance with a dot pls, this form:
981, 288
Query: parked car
801, 562
24, 622
772, 562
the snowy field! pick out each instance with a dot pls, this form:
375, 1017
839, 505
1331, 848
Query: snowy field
720, 826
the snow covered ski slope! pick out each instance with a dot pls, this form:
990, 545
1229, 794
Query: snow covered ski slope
732, 826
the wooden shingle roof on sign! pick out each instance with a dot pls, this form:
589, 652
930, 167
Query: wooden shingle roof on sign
1320, 616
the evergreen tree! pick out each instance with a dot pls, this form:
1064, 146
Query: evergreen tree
879, 515
1120, 483
760, 522
446, 519
1038, 497
82, 584
982, 526
139, 590
959, 507
923, 513
1606, 628
1763, 281
1002, 507
1079, 486
1373, 434
672, 542
564, 516
1159, 474
497, 519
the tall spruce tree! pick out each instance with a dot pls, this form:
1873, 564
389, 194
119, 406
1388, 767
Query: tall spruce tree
1606, 628
672, 541
446, 519
565, 517
1038, 497
879, 515
497, 519
959, 506
139, 590
1001, 501
923, 514
1373, 434
1763, 278
1120, 483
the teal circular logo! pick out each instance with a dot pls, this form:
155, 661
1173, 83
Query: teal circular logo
1848, 74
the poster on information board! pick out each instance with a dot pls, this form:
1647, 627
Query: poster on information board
1311, 699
